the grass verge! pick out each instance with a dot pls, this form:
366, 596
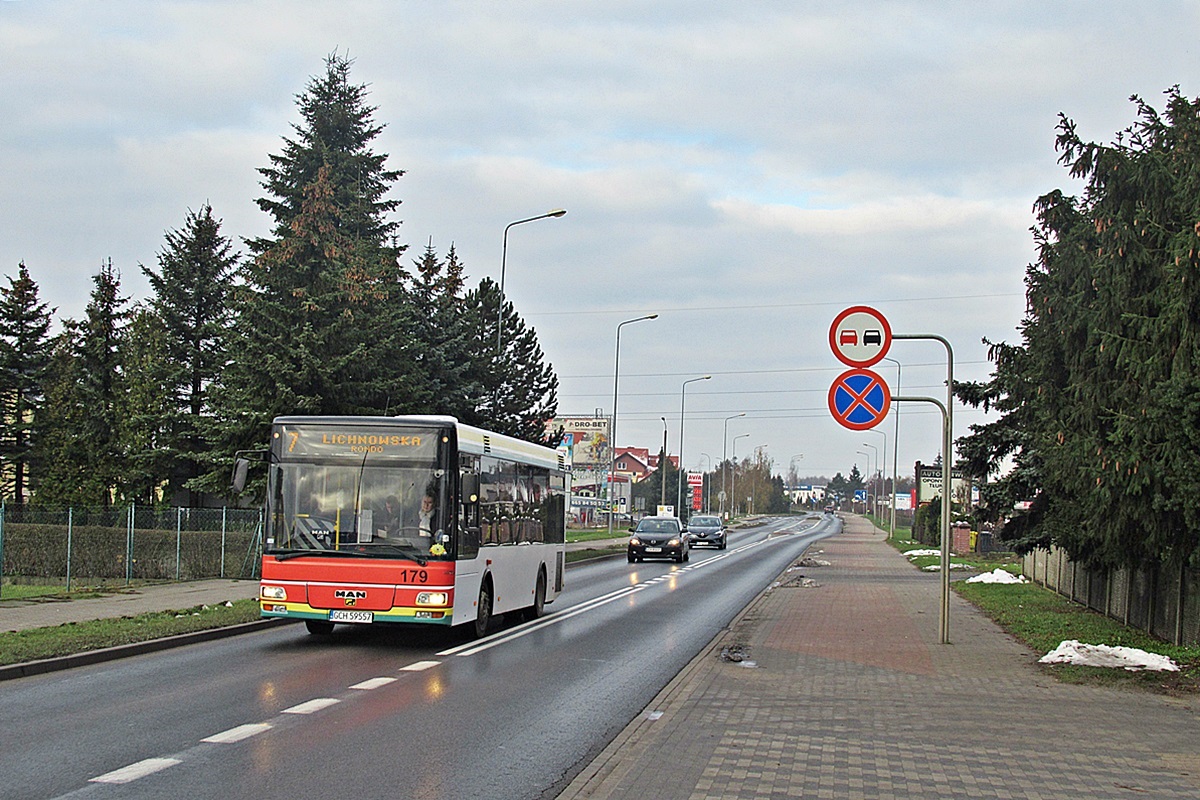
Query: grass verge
1041, 620
34, 644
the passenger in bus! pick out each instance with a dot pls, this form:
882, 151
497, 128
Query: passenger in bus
389, 517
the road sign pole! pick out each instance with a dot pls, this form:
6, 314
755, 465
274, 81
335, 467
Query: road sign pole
947, 455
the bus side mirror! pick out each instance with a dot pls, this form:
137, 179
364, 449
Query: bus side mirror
470, 488
240, 468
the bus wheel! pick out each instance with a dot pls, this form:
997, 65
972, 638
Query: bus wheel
483, 610
539, 599
318, 627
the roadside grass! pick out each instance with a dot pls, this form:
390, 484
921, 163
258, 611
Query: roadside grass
57, 591
17, 647
1042, 619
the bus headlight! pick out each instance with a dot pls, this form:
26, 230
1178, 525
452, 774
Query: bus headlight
432, 598
272, 593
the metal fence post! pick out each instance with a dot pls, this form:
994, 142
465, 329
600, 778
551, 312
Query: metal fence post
224, 516
129, 544
1, 549
70, 531
178, 537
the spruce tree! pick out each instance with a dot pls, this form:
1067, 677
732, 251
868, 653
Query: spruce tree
518, 390
323, 321
1104, 391
24, 356
192, 311
84, 460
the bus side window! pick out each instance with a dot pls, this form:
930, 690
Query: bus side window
468, 512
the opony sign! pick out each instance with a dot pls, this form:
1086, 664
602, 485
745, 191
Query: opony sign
860, 336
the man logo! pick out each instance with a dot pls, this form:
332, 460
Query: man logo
350, 601
350, 595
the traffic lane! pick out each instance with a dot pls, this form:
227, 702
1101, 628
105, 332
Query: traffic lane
516, 716
131, 723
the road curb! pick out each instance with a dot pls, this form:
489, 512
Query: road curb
29, 668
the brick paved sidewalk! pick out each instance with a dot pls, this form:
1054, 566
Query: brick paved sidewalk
851, 696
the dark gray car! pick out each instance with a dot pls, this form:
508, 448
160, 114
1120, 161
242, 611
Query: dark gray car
707, 529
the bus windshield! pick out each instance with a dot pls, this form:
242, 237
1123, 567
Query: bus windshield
388, 510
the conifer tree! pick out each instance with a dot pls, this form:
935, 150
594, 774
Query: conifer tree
24, 356
1104, 393
519, 391
84, 460
323, 322
192, 311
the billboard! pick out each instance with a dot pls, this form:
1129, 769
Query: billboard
586, 438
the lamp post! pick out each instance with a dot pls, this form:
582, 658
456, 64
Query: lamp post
558, 212
875, 450
662, 500
612, 469
867, 456
881, 464
682, 398
895, 447
724, 462
733, 477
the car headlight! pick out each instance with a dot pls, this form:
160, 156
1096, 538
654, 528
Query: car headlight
635, 541
432, 598
674, 542
272, 593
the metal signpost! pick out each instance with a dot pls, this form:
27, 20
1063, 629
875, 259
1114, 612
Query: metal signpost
859, 399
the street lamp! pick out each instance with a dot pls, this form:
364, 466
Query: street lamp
867, 456
874, 450
612, 469
682, 397
662, 501
881, 466
733, 477
724, 462
895, 446
558, 212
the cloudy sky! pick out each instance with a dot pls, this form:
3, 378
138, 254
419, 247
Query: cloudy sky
745, 170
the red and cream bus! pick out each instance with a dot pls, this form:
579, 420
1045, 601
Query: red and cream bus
415, 519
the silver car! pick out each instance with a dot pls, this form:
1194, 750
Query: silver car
707, 529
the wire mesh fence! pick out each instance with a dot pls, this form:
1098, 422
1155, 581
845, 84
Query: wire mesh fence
80, 546
1162, 599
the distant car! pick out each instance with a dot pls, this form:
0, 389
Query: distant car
706, 529
659, 537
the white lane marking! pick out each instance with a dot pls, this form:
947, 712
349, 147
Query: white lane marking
373, 683
237, 734
488, 644
598, 601
312, 706
419, 666
134, 771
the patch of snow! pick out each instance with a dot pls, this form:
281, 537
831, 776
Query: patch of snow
922, 552
937, 567
1103, 655
997, 576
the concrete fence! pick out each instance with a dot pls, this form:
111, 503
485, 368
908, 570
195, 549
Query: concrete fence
1163, 600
